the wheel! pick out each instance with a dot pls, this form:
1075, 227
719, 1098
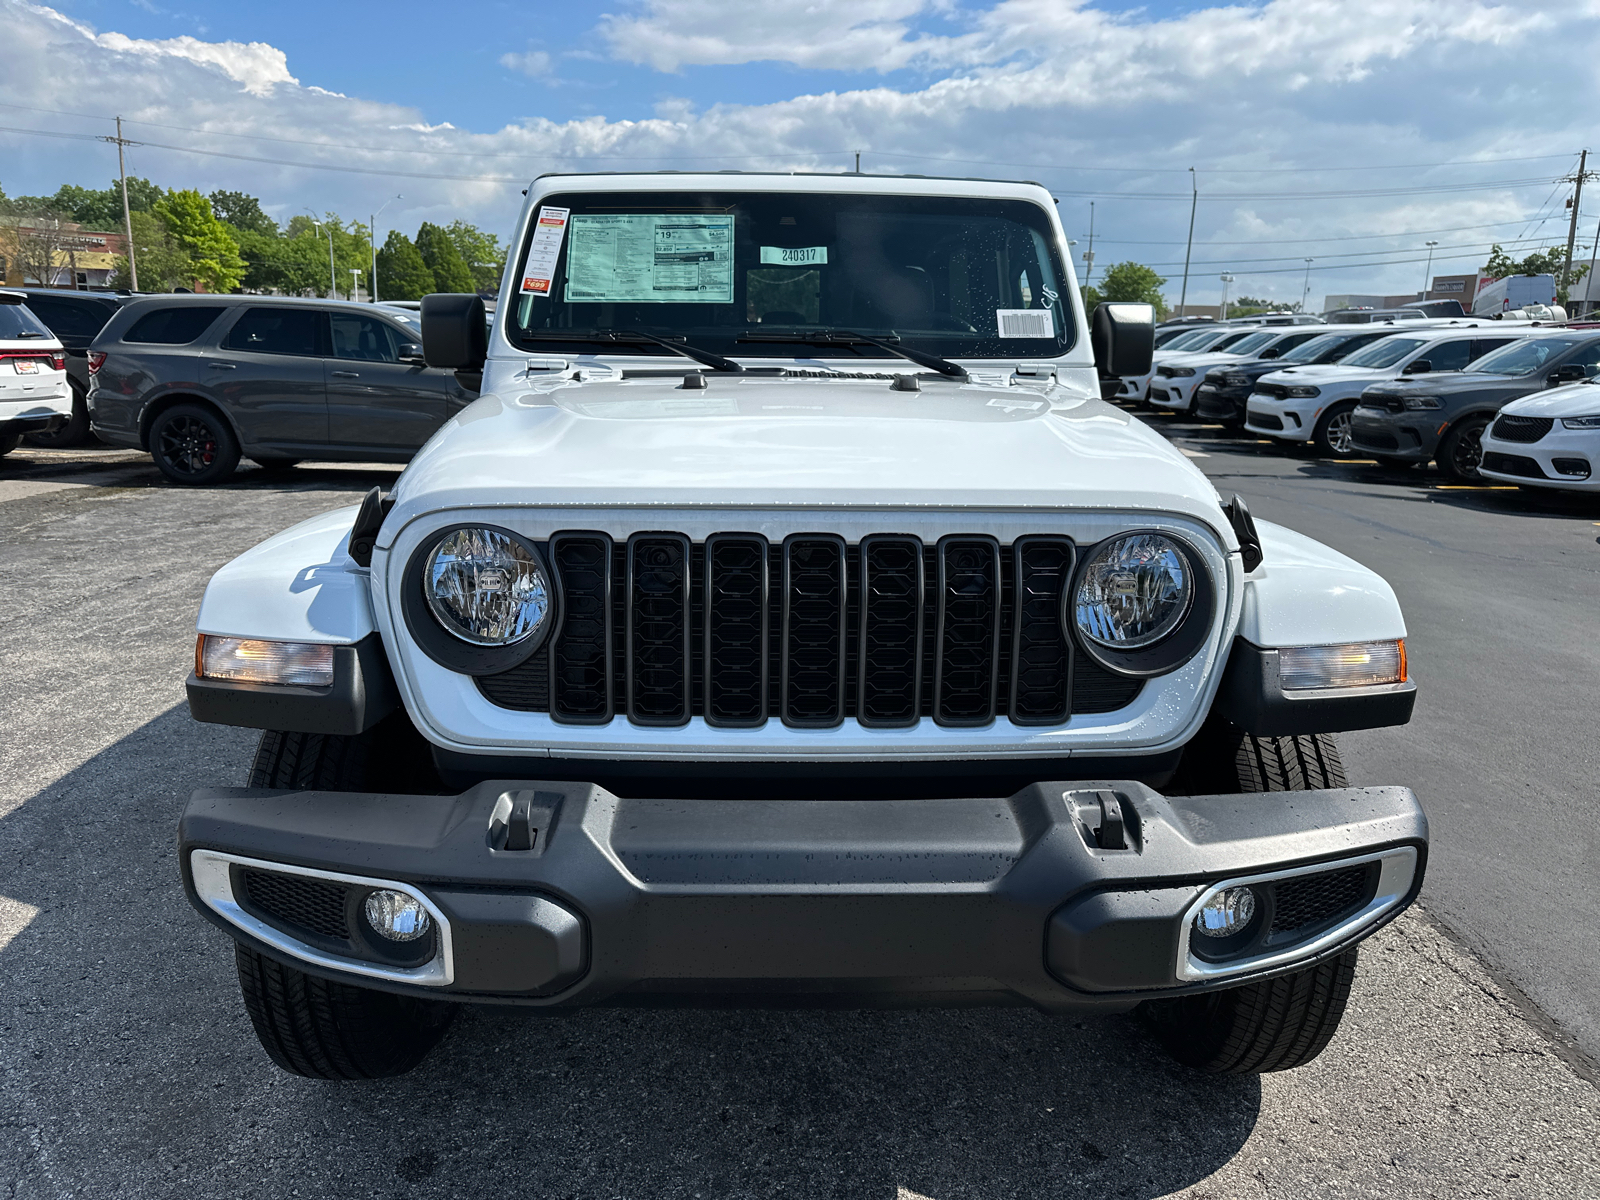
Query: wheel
1332, 434
276, 464
193, 445
1460, 451
390, 757
72, 431
1394, 464
1275, 1024
8, 443
325, 1030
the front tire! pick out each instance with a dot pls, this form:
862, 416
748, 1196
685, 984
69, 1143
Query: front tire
1275, 1024
193, 445
1332, 434
9, 442
1460, 452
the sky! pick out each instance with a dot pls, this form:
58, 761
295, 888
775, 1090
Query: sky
1348, 131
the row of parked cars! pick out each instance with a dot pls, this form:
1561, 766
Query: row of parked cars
1511, 400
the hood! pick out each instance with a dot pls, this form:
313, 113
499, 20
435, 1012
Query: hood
763, 441
1454, 382
1572, 400
1324, 373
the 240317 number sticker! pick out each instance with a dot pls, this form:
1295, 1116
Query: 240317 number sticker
794, 256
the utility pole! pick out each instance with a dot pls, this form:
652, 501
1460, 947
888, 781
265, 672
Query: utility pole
1588, 287
1088, 255
858, 162
1572, 225
127, 217
1183, 297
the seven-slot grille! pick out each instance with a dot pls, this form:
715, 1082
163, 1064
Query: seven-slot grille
1509, 427
810, 631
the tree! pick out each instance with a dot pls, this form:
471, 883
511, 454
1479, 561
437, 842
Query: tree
1131, 282
450, 272
402, 275
482, 253
32, 238
213, 253
163, 263
102, 209
243, 213
1540, 262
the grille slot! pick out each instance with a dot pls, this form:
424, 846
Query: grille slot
658, 676
967, 640
1315, 899
310, 905
814, 631
1509, 427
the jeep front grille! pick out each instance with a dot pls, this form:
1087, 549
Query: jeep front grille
810, 631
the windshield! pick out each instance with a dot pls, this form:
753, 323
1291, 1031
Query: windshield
1195, 337
17, 322
1385, 352
1254, 342
1520, 358
727, 271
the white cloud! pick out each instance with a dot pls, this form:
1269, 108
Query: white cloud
533, 63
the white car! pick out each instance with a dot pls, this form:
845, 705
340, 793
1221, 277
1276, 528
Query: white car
1548, 440
1315, 403
1176, 380
33, 373
1211, 337
791, 619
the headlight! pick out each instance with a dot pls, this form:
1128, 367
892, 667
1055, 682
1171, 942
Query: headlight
1302, 392
1134, 592
1177, 372
1418, 403
1238, 380
1581, 422
486, 587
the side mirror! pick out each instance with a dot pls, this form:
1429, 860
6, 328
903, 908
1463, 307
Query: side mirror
1570, 373
454, 331
411, 352
1417, 366
1123, 337
1270, 354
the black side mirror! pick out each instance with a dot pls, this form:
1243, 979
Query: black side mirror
1123, 337
454, 331
1270, 354
1419, 366
1570, 373
411, 352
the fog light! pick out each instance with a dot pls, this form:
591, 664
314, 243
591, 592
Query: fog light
1229, 912
397, 916
1352, 664
250, 660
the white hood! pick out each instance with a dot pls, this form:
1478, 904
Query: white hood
1573, 400
1320, 373
763, 441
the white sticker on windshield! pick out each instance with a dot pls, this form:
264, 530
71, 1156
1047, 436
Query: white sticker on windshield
1026, 322
798, 256
654, 258
544, 251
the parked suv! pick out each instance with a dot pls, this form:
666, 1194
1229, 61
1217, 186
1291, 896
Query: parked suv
75, 318
1443, 418
1547, 440
1219, 337
1314, 403
1175, 383
200, 380
1226, 390
33, 373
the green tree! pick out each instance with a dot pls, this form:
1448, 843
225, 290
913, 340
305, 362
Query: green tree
402, 275
103, 209
1540, 262
482, 252
213, 253
243, 213
450, 272
1131, 282
163, 262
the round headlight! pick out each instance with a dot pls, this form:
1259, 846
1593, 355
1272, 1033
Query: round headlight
487, 588
1133, 592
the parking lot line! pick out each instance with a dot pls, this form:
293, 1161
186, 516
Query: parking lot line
1474, 487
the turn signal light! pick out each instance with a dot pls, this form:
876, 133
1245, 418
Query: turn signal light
1352, 664
251, 660
58, 360
97, 359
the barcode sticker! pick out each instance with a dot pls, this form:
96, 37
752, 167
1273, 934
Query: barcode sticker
1026, 322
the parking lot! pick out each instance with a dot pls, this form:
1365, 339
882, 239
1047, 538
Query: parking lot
127, 1066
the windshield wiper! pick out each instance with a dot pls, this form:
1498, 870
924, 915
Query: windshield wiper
603, 337
844, 337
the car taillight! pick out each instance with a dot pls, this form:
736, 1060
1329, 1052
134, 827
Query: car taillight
97, 359
58, 360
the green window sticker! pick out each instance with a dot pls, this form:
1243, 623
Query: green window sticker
797, 256
655, 258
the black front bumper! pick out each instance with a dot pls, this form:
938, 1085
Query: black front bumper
1221, 403
808, 901
1410, 436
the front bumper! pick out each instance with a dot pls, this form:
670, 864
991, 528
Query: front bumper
1568, 459
1220, 403
1020, 900
1172, 392
1408, 436
1290, 420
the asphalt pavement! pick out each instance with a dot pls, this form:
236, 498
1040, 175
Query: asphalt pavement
128, 1068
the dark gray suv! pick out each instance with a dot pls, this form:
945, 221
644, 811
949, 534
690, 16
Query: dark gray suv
200, 380
1443, 416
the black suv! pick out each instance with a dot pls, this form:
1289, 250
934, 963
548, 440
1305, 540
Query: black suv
201, 380
1223, 395
75, 318
1443, 416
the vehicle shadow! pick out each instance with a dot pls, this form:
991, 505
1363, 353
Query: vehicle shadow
124, 1016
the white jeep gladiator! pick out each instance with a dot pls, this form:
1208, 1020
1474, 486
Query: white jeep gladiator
790, 621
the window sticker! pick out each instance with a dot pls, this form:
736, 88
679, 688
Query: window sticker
651, 258
1026, 322
799, 256
545, 250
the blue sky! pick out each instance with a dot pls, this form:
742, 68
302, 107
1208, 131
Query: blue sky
1348, 130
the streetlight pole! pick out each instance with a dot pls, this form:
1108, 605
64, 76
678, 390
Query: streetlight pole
355, 281
333, 280
1194, 203
372, 230
1226, 280
1427, 271
1305, 296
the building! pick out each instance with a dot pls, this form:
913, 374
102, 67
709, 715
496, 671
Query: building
37, 252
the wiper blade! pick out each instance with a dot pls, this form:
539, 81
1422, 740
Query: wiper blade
602, 337
845, 337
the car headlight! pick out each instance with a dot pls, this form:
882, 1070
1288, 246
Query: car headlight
1178, 372
1581, 422
1133, 592
1239, 380
1419, 403
1303, 392
486, 587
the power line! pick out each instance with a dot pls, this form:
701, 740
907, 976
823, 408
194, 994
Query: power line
1036, 166
1350, 237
